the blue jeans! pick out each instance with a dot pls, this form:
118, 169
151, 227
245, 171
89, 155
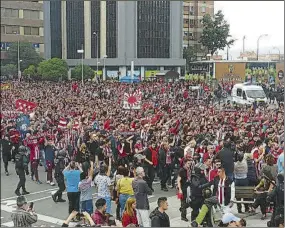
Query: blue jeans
43, 158
123, 199
108, 203
86, 206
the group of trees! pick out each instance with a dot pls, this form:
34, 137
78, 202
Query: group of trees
215, 36
34, 66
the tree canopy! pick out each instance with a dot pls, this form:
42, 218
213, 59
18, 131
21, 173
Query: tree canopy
190, 54
9, 70
30, 71
28, 55
216, 33
53, 69
76, 73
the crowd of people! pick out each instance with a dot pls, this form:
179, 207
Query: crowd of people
83, 137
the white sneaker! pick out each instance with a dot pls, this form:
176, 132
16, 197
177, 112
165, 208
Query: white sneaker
52, 184
48, 182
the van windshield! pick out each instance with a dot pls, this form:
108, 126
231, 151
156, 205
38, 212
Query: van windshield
255, 94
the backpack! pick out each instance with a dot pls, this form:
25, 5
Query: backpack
19, 161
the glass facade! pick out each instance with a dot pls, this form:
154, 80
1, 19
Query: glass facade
55, 29
111, 37
153, 29
95, 27
74, 28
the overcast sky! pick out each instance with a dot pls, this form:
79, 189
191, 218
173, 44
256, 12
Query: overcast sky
251, 19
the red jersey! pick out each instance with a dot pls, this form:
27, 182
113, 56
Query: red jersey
32, 143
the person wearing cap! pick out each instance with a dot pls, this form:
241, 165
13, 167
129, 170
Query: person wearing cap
23, 216
229, 220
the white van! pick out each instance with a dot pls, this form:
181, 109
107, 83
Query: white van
246, 93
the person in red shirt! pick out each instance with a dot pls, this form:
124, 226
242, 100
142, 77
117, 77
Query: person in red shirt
151, 162
129, 217
258, 156
32, 143
214, 171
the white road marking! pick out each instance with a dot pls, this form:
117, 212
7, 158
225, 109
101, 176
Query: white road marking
32, 193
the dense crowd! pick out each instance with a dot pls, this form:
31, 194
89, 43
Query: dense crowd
82, 136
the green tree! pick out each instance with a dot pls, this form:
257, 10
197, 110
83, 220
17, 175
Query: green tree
28, 55
9, 70
53, 69
190, 54
30, 71
216, 33
76, 72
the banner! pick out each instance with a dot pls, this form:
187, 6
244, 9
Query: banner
25, 106
22, 123
5, 86
132, 100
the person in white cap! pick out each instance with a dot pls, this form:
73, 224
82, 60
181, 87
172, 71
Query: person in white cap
230, 220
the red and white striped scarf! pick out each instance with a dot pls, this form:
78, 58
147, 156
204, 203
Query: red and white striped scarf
62, 123
221, 191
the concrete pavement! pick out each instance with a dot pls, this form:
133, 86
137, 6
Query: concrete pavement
52, 214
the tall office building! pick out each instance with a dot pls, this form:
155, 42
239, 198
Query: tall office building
114, 33
193, 12
22, 21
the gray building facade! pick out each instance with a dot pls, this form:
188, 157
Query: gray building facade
115, 33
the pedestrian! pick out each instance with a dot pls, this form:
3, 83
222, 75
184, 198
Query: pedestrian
49, 154
99, 216
24, 215
6, 147
72, 176
59, 177
158, 217
104, 184
21, 166
141, 192
129, 217
86, 198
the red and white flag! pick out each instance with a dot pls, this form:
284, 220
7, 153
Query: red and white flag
62, 123
25, 106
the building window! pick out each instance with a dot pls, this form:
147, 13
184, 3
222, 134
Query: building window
153, 29
12, 29
31, 31
203, 9
55, 29
2, 29
191, 10
7, 12
111, 26
95, 27
31, 14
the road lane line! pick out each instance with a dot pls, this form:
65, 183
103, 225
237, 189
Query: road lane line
32, 193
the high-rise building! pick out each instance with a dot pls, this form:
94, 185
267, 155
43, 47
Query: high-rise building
114, 33
22, 21
193, 12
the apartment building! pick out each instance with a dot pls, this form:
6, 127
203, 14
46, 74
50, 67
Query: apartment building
193, 12
22, 21
115, 33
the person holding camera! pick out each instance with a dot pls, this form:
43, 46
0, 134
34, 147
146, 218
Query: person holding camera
21, 166
24, 215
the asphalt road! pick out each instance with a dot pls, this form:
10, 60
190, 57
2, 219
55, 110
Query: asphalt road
52, 214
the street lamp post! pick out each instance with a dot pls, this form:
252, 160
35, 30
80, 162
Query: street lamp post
82, 75
104, 67
279, 55
257, 50
97, 51
18, 55
243, 39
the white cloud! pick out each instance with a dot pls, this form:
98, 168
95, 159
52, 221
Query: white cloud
253, 18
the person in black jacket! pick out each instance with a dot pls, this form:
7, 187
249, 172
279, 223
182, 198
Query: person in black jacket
165, 162
6, 147
21, 166
158, 216
226, 155
197, 179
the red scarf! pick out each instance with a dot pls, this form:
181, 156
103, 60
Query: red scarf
154, 156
